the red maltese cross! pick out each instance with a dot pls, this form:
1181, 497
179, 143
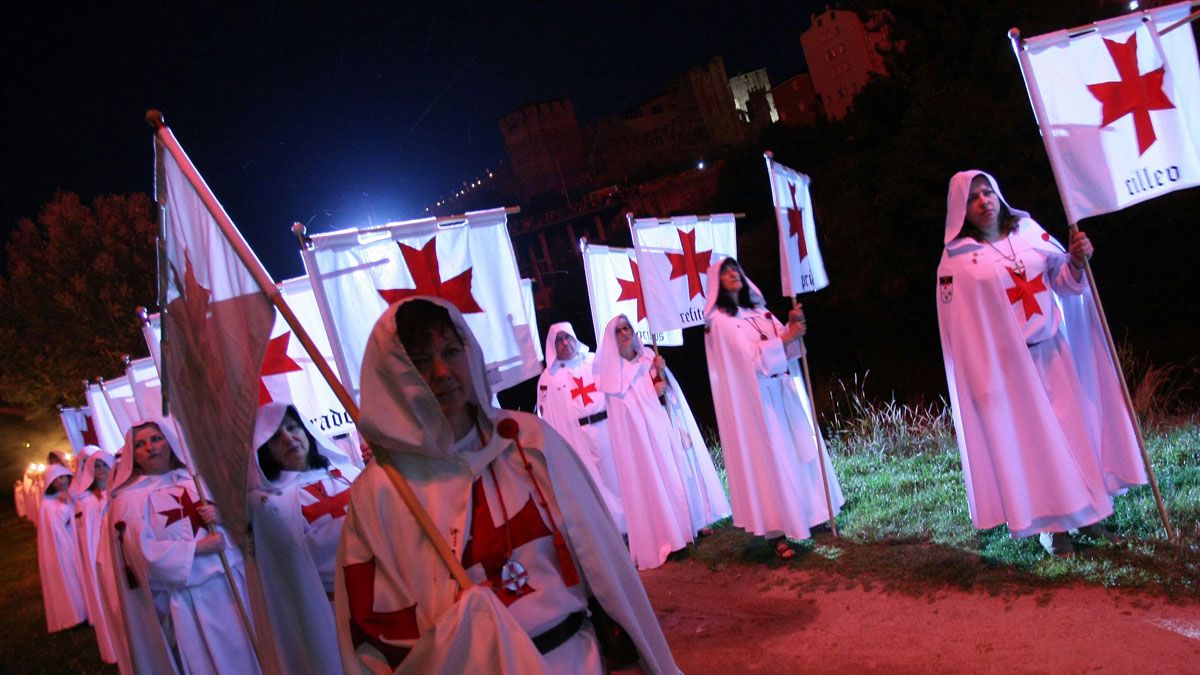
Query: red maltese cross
584, 392
1134, 94
425, 268
371, 627
690, 263
796, 222
275, 362
334, 506
1025, 292
187, 509
487, 543
631, 289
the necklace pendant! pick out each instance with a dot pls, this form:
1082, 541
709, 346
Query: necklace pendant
514, 577
1019, 267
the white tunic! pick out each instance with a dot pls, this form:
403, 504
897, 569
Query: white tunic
89, 514
770, 449
58, 562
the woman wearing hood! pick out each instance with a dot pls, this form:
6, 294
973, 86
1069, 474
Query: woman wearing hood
508, 497
1043, 435
58, 554
178, 610
770, 445
299, 484
570, 403
663, 487
91, 502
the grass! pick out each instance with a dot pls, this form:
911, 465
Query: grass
906, 524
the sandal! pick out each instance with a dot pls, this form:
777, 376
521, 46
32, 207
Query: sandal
783, 550
705, 532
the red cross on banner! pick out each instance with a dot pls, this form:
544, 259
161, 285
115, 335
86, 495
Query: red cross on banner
631, 289
487, 545
90, 437
425, 268
1025, 292
690, 263
187, 509
796, 222
333, 506
275, 362
371, 627
583, 391
1134, 94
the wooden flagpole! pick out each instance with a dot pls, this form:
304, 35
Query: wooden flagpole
822, 451
1039, 113
268, 287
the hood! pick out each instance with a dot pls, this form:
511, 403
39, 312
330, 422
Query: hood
123, 475
552, 354
712, 289
399, 413
606, 369
87, 471
53, 472
60, 454
266, 423
956, 201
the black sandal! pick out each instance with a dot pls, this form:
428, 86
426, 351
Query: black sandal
783, 549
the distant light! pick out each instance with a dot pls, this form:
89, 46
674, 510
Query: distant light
700, 165
1133, 5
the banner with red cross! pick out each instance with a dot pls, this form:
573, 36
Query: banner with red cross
356, 274
77, 423
1118, 108
108, 432
615, 287
673, 255
801, 266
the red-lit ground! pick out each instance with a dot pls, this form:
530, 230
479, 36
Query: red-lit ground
754, 619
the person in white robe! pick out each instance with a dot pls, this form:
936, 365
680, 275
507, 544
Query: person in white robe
299, 483
58, 554
661, 485
509, 498
91, 503
19, 499
771, 454
569, 401
1043, 433
177, 607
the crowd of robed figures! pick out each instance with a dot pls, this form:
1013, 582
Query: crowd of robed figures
551, 515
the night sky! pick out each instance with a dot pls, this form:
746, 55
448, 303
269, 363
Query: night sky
335, 115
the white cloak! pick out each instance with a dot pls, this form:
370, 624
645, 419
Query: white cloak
770, 447
89, 512
58, 559
395, 595
1043, 433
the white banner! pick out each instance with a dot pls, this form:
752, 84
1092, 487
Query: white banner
108, 432
1119, 108
800, 263
470, 263
673, 256
615, 287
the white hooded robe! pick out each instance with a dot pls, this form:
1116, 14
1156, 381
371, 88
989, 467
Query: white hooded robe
58, 558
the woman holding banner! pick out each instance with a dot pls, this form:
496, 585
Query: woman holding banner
1044, 441
771, 453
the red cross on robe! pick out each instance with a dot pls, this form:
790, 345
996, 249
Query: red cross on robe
333, 506
1025, 292
487, 545
582, 391
371, 627
275, 362
631, 289
1134, 94
690, 263
796, 222
187, 509
425, 268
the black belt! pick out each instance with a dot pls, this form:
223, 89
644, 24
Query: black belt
555, 637
592, 419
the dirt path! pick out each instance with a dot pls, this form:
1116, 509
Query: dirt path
754, 619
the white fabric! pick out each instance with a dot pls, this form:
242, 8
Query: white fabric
108, 433
182, 617
58, 558
567, 393
1043, 433
410, 590
673, 256
793, 210
770, 446
615, 287
294, 557
90, 508
707, 502
1102, 161
85, 473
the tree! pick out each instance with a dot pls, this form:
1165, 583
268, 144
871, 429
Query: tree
73, 279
